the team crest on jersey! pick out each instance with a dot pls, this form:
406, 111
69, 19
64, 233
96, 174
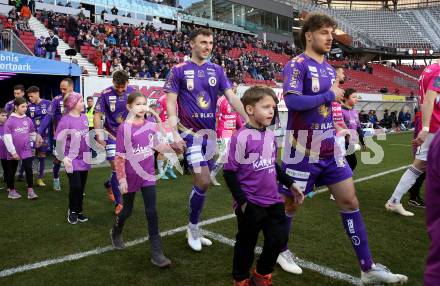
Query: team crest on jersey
190, 84
324, 111
212, 81
120, 118
25, 123
315, 84
112, 101
203, 100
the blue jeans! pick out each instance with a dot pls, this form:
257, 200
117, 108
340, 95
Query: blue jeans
50, 55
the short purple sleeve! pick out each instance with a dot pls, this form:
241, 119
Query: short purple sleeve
62, 125
120, 146
31, 125
99, 106
232, 164
8, 127
172, 84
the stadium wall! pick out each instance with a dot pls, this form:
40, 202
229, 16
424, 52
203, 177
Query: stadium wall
93, 85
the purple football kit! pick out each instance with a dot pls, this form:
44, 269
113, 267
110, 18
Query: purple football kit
73, 131
253, 156
114, 109
311, 157
197, 88
308, 96
135, 143
40, 112
20, 130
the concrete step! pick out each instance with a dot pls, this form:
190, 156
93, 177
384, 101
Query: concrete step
40, 30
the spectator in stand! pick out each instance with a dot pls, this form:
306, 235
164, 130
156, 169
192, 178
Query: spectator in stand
116, 66
51, 45
114, 10
32, 6
39, 47
103, 65
25, 12
13, 15
103, 15
383, 90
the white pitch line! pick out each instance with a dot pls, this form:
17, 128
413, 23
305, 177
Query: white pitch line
325, 271
99, 250
404, 145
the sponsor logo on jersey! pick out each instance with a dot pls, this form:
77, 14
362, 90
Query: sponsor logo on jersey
312, 69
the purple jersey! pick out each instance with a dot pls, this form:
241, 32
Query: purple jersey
114, 108
9, 107
38, 113
197, 88
73, 130
57, 109
304, 76
3, 151
135, 144
20, 129
432, 199
351, 118
252, 156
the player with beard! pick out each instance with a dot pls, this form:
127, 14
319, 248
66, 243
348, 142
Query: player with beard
310, 157
194, 86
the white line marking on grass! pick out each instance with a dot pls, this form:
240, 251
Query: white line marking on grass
100, 250
405, 145
325, 189
301, 262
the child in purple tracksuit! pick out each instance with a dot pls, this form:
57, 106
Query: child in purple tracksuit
19, 137
72, 148
251, 174
351, 119
136, 140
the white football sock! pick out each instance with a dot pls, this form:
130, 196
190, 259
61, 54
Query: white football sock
406, 182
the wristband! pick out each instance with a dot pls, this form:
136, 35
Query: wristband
425, 128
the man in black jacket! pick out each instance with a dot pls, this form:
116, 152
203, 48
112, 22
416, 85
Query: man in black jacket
51, 45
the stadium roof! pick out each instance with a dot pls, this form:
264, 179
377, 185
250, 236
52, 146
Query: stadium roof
376, 4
